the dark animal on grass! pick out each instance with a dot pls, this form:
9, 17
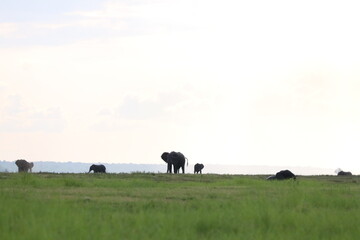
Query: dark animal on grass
273, 177
24, 166
285, 174
282, 175
342, 173
97, 168
198, 167
176, 159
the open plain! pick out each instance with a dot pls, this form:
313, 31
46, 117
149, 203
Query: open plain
183, 206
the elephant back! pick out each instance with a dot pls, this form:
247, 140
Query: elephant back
176, 156
97, 168
199, 166
285, 174
342, 173
21, 162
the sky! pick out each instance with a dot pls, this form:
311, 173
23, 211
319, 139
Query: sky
271, 83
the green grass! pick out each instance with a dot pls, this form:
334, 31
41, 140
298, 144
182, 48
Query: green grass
162, 206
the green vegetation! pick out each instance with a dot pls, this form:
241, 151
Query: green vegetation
162, 206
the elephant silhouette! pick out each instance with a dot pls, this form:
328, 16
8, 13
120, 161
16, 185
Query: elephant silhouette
24, 166
282, 175
342, 173
198, 167
97, 168
176, 159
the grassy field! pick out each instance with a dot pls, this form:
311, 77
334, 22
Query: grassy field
162, 206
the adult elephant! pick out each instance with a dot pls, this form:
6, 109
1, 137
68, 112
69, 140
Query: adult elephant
97, 168
24, 166
282, 175
342, 173
176, 159
198, 167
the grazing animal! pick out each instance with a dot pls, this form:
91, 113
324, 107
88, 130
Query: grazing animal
273, 177
198, 167
97, 168
282, 175
342, 173
24, 166
176, 159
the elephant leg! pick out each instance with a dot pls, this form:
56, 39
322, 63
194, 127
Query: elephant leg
169, 168
183, 169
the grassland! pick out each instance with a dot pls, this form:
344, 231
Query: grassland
162, 206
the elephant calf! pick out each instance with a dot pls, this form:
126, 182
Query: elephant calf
97, 168
198, 167
24, 166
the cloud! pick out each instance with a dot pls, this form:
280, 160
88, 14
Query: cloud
307, 92
66, 27
111, 19
186, 106
133, 108
15, 105
136, 110
18, 117
112, 15
105, 112
8, 29
111, 9
179, 103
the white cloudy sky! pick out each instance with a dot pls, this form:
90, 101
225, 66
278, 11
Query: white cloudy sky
224, 82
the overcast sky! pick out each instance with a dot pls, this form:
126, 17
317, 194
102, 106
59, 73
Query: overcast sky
224, 82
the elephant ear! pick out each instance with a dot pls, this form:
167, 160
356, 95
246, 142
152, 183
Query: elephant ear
31, 165
164, 156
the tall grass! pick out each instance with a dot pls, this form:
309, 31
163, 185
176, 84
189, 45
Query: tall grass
162, 206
